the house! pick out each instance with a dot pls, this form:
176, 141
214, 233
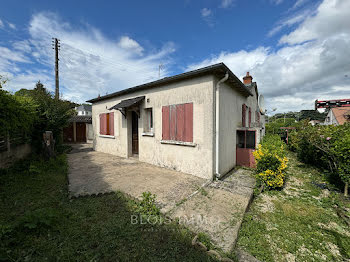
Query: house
314, 122
338, 116
80, 126
201, 122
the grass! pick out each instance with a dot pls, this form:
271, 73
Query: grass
298, 223
38, 222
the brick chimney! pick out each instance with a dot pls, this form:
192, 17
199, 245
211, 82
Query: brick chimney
247, 80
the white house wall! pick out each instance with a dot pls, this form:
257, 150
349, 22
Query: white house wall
197, 160
230, 120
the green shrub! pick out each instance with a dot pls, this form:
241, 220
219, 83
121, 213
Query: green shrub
326, 147
271, 162
147, 206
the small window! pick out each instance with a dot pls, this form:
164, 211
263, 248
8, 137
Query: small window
246, 139
148, 127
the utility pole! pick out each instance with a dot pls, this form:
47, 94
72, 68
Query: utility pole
56, 46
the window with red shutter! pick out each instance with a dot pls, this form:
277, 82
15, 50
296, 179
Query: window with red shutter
165, 123
177, 122
107, 124
249, 117
244, 108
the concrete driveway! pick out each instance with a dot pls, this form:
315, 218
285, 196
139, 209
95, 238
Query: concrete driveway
92, 172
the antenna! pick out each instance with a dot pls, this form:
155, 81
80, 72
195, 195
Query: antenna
161, 67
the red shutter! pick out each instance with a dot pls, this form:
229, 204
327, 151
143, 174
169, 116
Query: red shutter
165, 123
243, 115
172, 122
250, 117
103, 124
111, 124
188, 122
180, 122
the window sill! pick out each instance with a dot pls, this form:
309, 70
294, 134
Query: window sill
179, 143
148, 134
107, 136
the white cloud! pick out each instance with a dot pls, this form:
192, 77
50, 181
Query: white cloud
207, 16
205, 12
127, 43
1, 24
12, 26
290, 21
90, 63
293, 76
277, 2
226, 3
299, 3
331, 18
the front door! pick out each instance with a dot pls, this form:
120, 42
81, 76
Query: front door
135, 133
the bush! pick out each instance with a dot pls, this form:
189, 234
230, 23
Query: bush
326, 147
271, 162
147, 206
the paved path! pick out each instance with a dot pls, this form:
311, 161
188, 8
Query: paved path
216, 209
92, 172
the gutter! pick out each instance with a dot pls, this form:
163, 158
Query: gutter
217, 124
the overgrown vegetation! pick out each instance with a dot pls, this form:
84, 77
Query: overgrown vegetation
29, 113
326, 147
300, 222
271, 162
38, 221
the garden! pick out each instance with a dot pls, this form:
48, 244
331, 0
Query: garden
301, 211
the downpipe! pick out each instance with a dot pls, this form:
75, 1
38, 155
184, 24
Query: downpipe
217, 124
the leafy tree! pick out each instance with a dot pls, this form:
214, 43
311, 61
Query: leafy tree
52, 114
3, 81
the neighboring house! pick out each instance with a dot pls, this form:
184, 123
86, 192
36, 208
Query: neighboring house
338, 116
199, 122
314, 122
80, 126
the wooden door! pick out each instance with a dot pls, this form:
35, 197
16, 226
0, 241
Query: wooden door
135, 133
81, 132
68, 135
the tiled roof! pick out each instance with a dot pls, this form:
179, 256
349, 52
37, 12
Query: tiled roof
342, 114
218, 69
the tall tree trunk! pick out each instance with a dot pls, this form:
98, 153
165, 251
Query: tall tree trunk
346, 189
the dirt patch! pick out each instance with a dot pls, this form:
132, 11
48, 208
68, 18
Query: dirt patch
266, 203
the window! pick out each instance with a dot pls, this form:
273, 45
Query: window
244, 113
177, 122
148, 127
246, 139
249, 117
107, 124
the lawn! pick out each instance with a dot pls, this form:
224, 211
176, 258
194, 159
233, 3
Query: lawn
38, 222
298, 223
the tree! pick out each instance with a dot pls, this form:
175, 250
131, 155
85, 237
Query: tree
3, 81
52, 114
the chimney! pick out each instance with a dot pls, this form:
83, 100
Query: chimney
247, 80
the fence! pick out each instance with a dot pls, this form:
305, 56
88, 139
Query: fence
13, 147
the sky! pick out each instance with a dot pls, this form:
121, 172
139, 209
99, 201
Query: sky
296, 50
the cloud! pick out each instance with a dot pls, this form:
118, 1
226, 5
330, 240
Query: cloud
299, 3
276, 2
290, 21
293, 76
1, 24
127, 43
331, 18
205, 12
226, 3
90, 63
12, 26
207, 15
